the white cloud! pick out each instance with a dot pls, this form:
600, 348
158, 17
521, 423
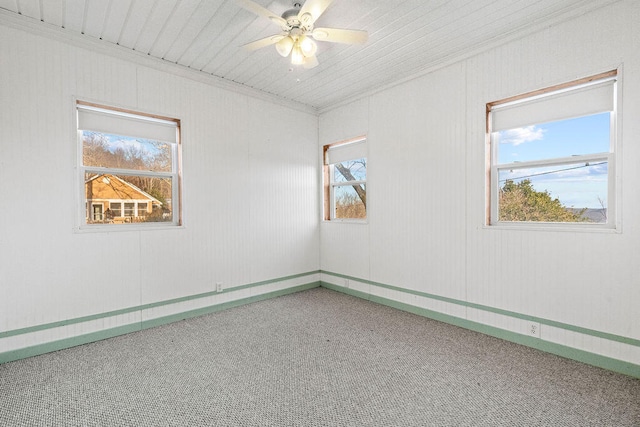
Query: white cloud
125, 143
521, 135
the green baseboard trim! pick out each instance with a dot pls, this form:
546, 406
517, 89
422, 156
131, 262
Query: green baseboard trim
22, 353
10, 356
126, 310
593, 359
541, 320
225, 306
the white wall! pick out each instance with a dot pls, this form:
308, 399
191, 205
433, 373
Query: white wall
426, 232
250, 205
252, 199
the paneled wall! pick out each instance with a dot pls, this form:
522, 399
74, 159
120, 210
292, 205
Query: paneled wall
250, 205
252, 201
425, 246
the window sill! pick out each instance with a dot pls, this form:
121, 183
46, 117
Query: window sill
578, 228
106, 228
346, 221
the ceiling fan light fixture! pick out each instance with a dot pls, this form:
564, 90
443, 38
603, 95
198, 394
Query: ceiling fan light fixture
297, 57
310, 62
308, 46
284, 46
298, 35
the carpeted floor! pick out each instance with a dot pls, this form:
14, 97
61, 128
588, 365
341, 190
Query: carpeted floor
315, 358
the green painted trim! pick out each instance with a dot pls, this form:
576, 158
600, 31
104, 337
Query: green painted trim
36, 350
224, 306
537, 343
553, 323
226, 290
82, 319
22, 353
60, 323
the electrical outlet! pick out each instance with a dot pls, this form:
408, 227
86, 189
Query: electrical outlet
219, 287
534, 329
346, 283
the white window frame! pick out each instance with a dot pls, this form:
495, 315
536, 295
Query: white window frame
494, 168
356, 148
148, 123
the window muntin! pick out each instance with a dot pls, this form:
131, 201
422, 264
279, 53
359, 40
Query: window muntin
559, 169
129, 162
345, 168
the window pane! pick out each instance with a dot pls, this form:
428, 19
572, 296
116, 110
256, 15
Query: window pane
124, 152
566, 138
350, 203
351, 170
561, 193
123, 193
115, 208
129, 209
96, 214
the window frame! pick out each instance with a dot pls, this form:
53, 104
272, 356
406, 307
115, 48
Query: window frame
329, 183
493, 168
175, 175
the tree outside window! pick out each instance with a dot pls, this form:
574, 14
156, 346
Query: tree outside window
346, 181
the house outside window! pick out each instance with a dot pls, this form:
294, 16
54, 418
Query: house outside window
552, 155
116, 208
129, 164
345, 180
97, 211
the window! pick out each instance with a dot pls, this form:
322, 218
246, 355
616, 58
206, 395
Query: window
116, 209
129, 209
97, 212
552, 155
345, 180
129, 163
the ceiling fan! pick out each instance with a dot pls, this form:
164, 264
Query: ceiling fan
298, 33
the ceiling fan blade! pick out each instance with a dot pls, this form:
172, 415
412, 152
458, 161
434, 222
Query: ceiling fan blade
267, 41
310, 62
336, 35
261, 11
314, 8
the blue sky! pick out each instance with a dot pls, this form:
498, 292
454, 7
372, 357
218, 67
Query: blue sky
576, 185
148, 147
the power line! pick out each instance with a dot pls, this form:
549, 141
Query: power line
554, 171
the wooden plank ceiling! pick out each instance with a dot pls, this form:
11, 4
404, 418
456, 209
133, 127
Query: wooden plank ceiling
405, 37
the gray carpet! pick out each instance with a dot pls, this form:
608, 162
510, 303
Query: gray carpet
316, 358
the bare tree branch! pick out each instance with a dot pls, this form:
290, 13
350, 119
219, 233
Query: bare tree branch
346, 173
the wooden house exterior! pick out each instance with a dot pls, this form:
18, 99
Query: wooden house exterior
111, 199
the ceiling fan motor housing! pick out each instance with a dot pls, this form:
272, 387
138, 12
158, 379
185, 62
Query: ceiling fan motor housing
295, 20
